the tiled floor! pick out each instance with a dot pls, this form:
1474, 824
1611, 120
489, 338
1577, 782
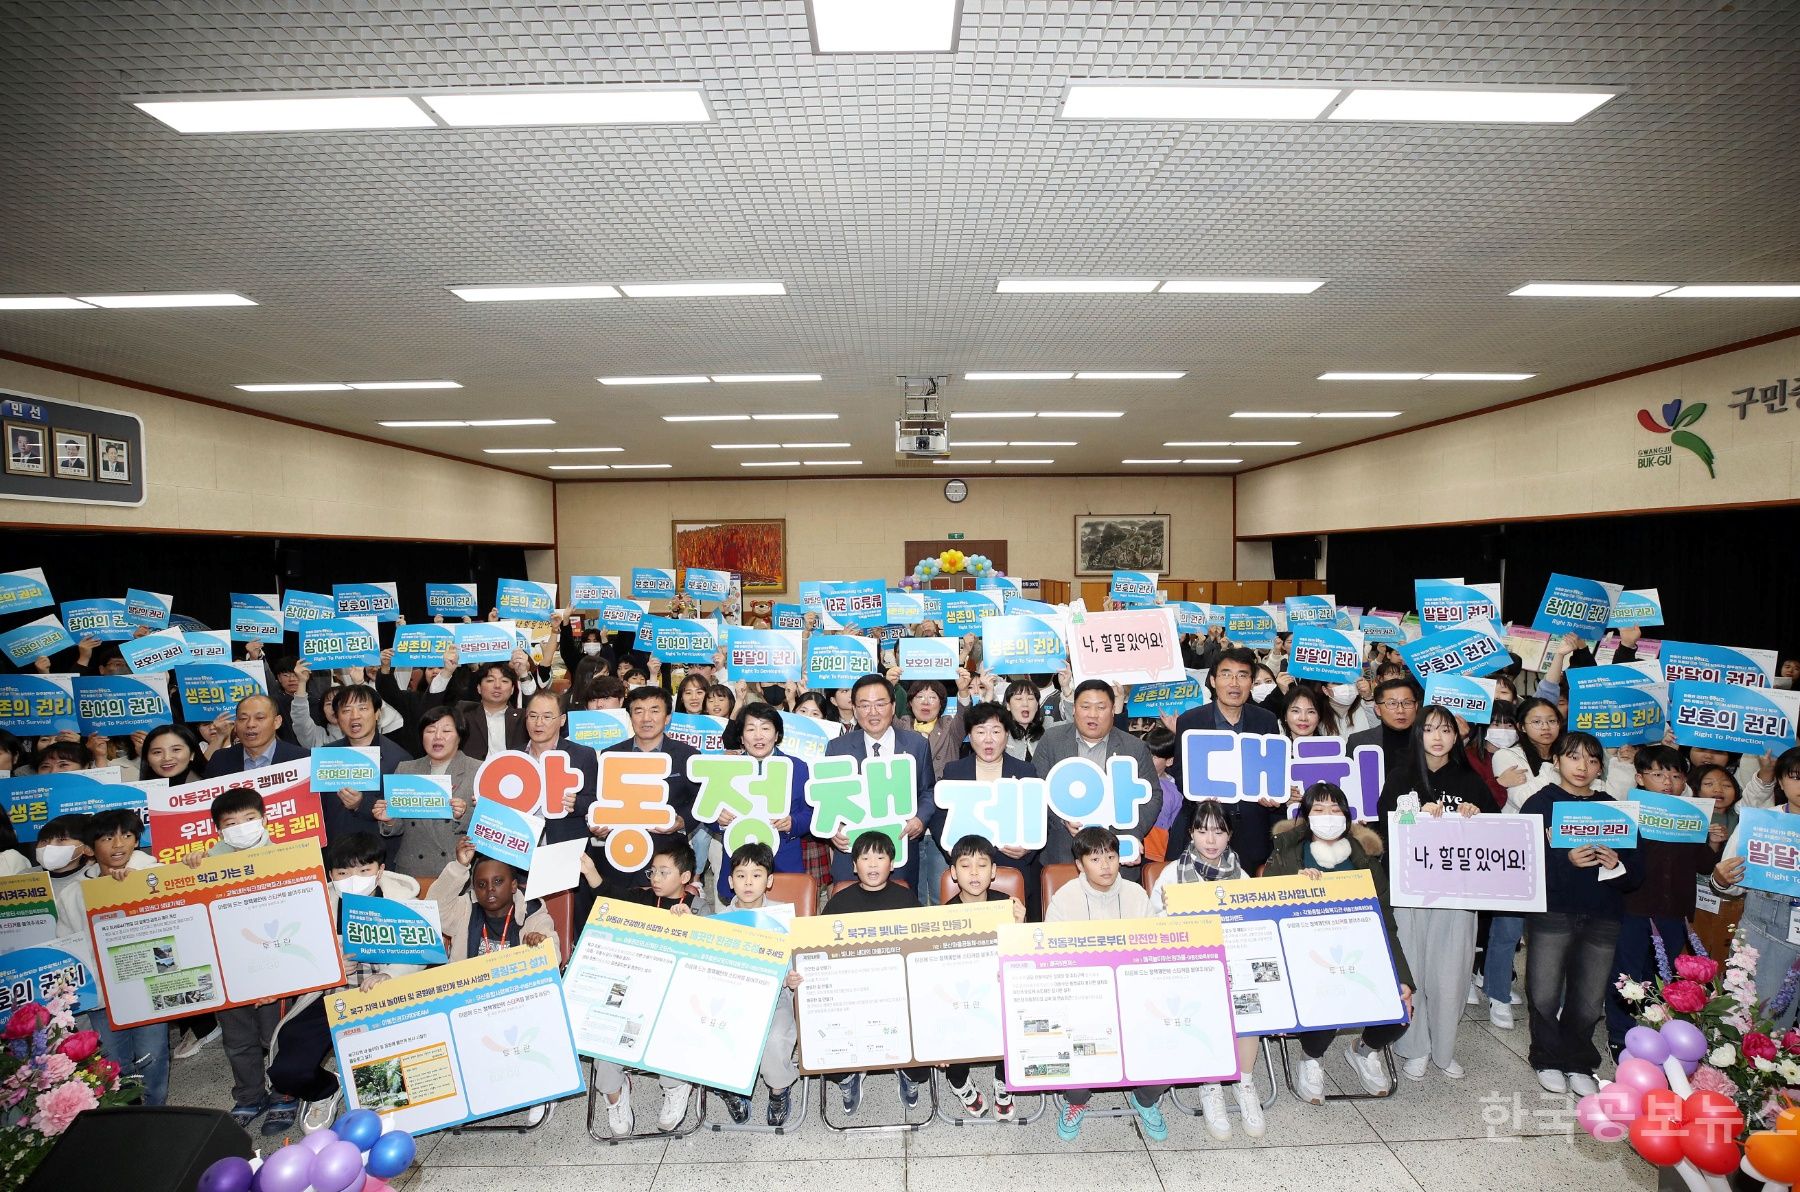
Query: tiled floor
1494, 1129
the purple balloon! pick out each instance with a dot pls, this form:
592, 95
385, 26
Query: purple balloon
1647, 1044
318, 1140
337, 1167
1685, 1041
287, 1170
230, 1174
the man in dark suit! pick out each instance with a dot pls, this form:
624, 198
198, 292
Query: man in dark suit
544, 719
358, 712
1396, 706
498, 690
649, 709
1094, 734
258, 745
877, 736
1253, 822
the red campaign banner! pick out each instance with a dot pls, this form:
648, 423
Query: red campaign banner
181, 816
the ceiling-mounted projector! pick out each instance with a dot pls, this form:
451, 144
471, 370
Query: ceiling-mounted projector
921, 431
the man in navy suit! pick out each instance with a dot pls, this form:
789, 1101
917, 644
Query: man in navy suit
649, 708
876, 736
257, 746
1252, 823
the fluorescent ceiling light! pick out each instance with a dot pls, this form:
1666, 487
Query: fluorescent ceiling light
288, 113
1241, 285
813, 446
770, 463
1075, 285
1372, 376
543, 106
532, 293
884, 26
638, 467
1018, 376
420, 425
706, 417
158, 301
756, 378
1129, 376
1234, 443
955, 463
704, 289
1081, 413
833, 463
585, 450
1273, 414
983, 443
1590, 289
678, 380
1212, 461
481, 422
43, 302
994, 414
1479, 376
547, 450
405, 385
1024, 461
794, 417
1735, 291
1134, 100
744, 446
1149, 461
580, 467
1497, 105
1037, 443
296, 387
1358, 414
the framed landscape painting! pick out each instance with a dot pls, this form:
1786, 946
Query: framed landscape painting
1108, 542
755, 549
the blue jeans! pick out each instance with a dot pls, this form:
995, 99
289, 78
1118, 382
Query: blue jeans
931, 869
139, 1051
1504, 934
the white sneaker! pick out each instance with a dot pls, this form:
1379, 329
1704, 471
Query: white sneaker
1415, 1068
1582, 1084
1517, 999
1369, 1070
1474, 995
1311, 1082
674, 1107
1249, 1108
320, 1114
1452, 1070
191, 1044
1212, 1106
618, 1113
1552, 1081
536, 1114
1500, 1015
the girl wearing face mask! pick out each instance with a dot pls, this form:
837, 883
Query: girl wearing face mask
1480, 741
1520, 763
1265, 689
1349, 706
1324, 840
1768, 919
1439, 942
60, 850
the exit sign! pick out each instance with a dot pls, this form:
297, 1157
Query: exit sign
956, 537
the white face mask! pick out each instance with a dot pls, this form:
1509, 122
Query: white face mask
247, 835
359, 883
1327, 827
590, 648
1261, 691
1784, 682
56, 856
1503, 738
1342, 693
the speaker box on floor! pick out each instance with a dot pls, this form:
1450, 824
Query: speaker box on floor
164, 1150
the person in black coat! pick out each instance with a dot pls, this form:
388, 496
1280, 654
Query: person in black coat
257, 725
1252, 821
989, 726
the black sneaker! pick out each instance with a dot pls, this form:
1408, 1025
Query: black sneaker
781, 1103
738, 1107
851, 1087
909, 1091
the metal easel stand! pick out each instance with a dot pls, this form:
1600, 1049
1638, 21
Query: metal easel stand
829, 1089
1387, 1058
594, 1111
1267, 1098
948, 1109
496, 1126
796, 1115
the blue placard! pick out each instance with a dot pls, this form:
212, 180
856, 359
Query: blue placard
1768, 839
502, 833
387, 931
32, 974
706, 584
787, 616
1621, 705
858, 604
1637, 606
1312, 612
679, 640
207, 645
346, 768
414, 796
1324, 654
763, 655
484, 641
1022, 645
965, 611
35, 639
257, 625
156, 652
587, 591
1191, 618
149, 609
1385, 630
933, 604
36, 799
652, 583
1737, 719
1462, 695
1166, 699
621, 616
101, 619
423, 645
1579, 822
599, 728
811, 594
1248, 625
22, 591
525, 600
451, 600
1444, 602
1575, 605
1693, 662
1671, 818
114, 705
377, 600
903, 607
212, 689
298, 608
1016, 604
928, 658
998, 583
833, 662
34, 705
340, 641
806, 736
704, 733
1463, 650
1134, 589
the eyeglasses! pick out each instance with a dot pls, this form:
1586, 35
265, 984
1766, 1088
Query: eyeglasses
1398, 705
873, 706
664, 871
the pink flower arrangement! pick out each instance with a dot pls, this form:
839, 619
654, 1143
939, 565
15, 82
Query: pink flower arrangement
50, 1074
1790, 1042
1684, 997
1697, 968
1759, 1046
80, 1045
58, 1107
26, 1021
1710, 1078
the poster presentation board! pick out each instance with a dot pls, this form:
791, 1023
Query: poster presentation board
181, 816
474, 1039
1115, 1004
27, 910
891, 989
680, 995
1305, 955
172, 941
1476, 863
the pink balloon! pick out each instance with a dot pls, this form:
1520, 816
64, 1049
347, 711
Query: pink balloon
371, 1184
1640, 1076
1593, 1119
1621, 1102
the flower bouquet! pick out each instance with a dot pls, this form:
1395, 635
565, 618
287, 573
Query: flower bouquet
50, 1073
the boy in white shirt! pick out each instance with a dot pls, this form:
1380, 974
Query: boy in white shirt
752, 872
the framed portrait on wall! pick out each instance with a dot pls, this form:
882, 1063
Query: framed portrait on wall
754, 548
27, 452
114, 459
1108, 542
74, 454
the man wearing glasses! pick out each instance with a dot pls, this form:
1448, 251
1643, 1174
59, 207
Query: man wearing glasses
1396, 706
1231, 710
877, 736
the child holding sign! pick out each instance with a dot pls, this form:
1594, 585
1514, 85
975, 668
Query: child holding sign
751, 871
1769, 916
973, 867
